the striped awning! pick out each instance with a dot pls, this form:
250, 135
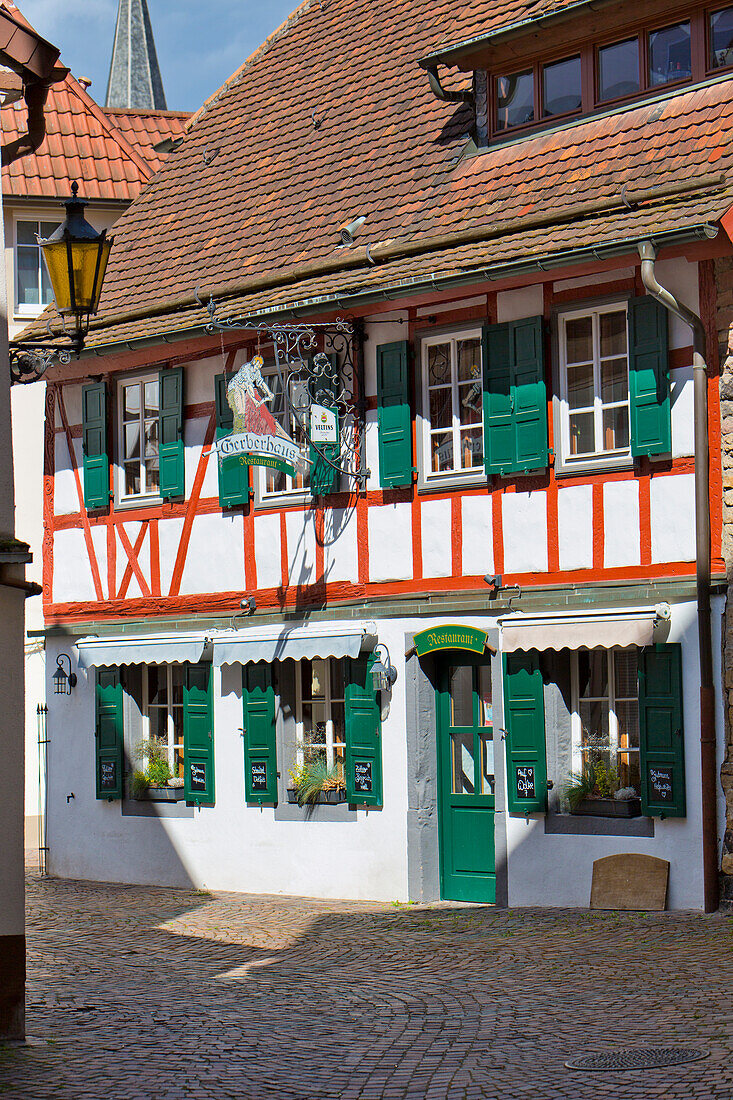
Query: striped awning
581, 629
154, 649
281, 642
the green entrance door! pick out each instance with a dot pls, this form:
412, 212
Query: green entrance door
466, 780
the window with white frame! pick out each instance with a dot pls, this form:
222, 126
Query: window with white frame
452, 401
32, 285
594, 384
274, 482
139, 448
605, 712
320, 716
163, 687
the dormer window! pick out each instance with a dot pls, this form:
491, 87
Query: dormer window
561, 87
618, 70
670, 55
721, 39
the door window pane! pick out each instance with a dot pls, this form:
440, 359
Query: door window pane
669, 54
487, 762
618, 69
561, 87
514, 100
462, 762
460, 681
485, 708
721, 38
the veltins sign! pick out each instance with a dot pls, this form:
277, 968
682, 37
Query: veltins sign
324, 424
451, 636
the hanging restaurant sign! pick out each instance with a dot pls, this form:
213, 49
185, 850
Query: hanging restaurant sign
451, 636
324, 425
258, 438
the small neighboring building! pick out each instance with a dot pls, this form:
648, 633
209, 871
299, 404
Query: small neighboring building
112, 155
506, 517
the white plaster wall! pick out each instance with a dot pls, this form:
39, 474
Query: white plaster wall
199, 376
268, 551
193, 436
215, 558
478, 537
451, 307
557, 870
72, 571
622, 539
524, 520
595, 280
673, 518
300, 528
681, 277
575, 527
683, 412
65, 493
390, 542
436, 528
513, 305
169, 538
340, 547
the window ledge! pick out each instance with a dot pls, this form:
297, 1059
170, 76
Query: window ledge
580, 825
137, 502
593, 466
453, 481
296, 500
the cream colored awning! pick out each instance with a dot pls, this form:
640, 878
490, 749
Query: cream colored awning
581, 630
152, 649
280, 642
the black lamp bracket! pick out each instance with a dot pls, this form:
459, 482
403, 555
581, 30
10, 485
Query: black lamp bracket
29, 361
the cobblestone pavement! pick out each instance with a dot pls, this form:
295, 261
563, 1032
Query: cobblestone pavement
139, 992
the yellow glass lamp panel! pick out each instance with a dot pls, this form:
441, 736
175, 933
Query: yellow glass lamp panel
88, 278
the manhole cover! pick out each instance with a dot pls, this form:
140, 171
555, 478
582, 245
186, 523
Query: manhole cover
638, 1058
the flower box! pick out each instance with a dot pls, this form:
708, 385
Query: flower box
325, 798
161, 794
608, 807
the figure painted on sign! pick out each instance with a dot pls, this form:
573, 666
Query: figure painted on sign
248, 394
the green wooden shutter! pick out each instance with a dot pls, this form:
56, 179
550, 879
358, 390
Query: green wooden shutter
198, 734
661, 736
515, 397
651, 421
363, 757
170, 433
524, 718
323, 478
233, 471
109, 733
260, 749
394, 415
94, 445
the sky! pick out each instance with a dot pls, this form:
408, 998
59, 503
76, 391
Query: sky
199, 44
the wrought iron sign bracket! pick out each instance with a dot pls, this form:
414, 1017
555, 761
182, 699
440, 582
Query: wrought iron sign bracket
30, 361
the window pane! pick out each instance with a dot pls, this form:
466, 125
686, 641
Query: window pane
580, 387
582, 435
594, 730
487, 762
132, 479
318, 678
131, 402
177, 763
515, 100
561, 87
28, 277
721, 38
461, 695
151, 398
626, 673
441, 408
616, 429
579, 339
470, 397
47, 228
46, 288
613, 333
26, 233
158, 723
469, 359
593, 673
462, 759
177, 676
618, 69
472, 448
442, 451
157, 686
669, 54
132, 441
614, 381
439, 365
337, 679
152, 476
485, 710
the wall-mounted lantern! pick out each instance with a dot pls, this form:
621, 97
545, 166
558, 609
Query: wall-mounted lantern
63, 682
384, 673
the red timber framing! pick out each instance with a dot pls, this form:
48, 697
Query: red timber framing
133, 536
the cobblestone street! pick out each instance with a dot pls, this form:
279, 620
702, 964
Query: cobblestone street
144, 992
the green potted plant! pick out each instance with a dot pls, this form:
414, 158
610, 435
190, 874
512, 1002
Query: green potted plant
154, 781
314, 783
596, 791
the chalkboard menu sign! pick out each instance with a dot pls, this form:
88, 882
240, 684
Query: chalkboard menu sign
108, 775
258, 776
198, 777
660, 785
525, 782
363, 776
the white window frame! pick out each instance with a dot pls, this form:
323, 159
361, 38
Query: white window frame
567, 463
25, 309
170, 726
575, 719
291, 494
437, 479
331, 743
122, 499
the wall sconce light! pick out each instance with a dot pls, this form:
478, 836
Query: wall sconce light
63, 682
384, 673
494, 582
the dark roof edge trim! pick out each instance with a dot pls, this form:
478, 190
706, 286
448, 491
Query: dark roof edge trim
327, 303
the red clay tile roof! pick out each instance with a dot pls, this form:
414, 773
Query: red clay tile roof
287, 152
145, 129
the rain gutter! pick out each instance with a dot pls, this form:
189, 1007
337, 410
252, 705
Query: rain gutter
647, 252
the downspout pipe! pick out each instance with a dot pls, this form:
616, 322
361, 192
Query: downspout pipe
442, 93
35, 96
647, 253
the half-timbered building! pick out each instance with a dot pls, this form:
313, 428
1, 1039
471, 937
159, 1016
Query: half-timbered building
488, 608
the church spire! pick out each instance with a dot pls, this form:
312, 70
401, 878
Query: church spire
134, 75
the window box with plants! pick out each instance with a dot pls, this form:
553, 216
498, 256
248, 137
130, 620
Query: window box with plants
154, 781
596, 792
315, 784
